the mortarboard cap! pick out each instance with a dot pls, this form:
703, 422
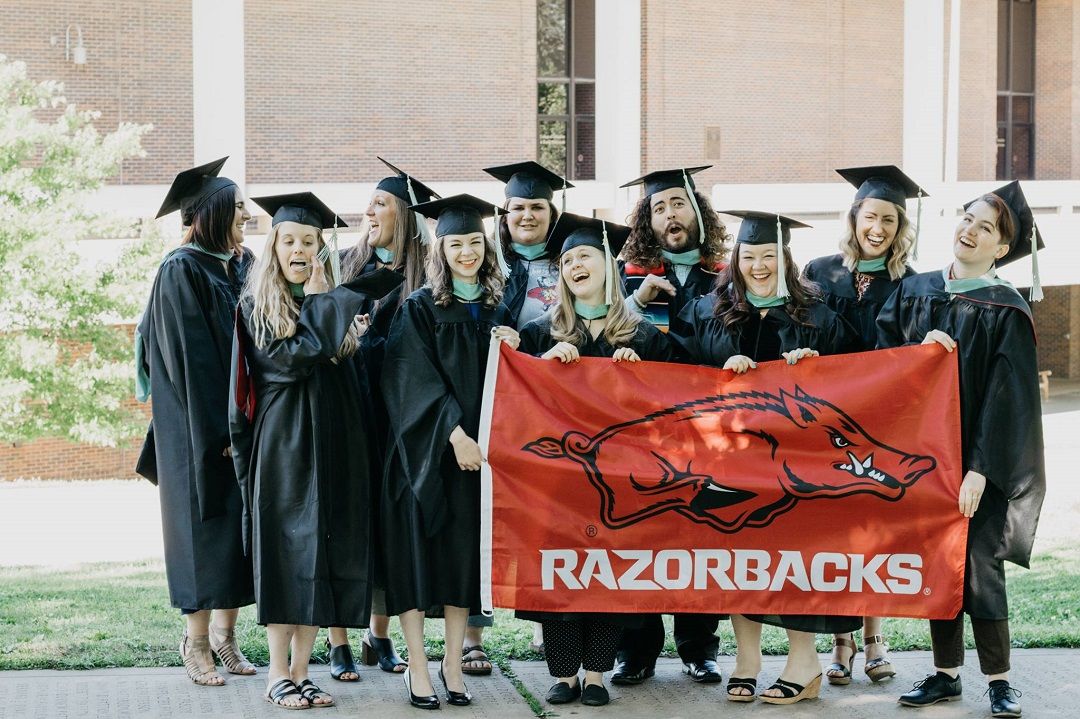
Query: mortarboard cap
882, 182
528, 180
576, 230
191, 188
404, 186
759, 228
666, 179
302, 207
458, 215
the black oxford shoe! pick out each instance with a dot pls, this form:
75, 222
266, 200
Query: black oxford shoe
1003, 699
704, 672
935, 688
630, 672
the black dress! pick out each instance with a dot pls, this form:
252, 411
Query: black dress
186, 337
1000, 418
707, 341
303, 462
855, 296
432, 381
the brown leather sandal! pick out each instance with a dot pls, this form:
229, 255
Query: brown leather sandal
228, 651
837, 673
195, 651
881, 668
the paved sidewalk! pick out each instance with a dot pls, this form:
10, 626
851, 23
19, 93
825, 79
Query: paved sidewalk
1046, 676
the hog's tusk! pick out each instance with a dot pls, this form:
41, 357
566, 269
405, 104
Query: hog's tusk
856, 465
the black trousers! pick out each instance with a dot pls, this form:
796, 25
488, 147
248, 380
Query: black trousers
695, 639
573, 644
991, 643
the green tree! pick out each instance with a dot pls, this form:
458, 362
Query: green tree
66, 363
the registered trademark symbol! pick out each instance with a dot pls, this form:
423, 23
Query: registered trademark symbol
590, 530
926, 591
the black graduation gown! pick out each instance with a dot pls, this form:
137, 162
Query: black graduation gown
1000, 418
432, 381
652, 346
304, 467
838, 290
698, 282
186, 335
707, 341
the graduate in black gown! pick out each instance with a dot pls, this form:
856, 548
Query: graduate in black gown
301, 442
183, 342
396, 239
966, 308
760, 311
879, 240
432, 383
590, 319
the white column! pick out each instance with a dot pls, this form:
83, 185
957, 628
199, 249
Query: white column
952, 113
217, 53
924, 101
618, 96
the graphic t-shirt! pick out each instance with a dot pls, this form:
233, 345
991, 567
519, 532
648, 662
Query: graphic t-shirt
541, 292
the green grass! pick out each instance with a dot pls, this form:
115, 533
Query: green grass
118, 615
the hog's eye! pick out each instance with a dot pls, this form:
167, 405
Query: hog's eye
838, 440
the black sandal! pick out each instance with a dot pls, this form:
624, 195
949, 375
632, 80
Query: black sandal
465, 661
380, 650
837, 673
341, 662
282, 689
309, 690
747, 683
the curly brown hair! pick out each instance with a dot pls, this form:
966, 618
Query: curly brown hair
439, 277
732, 306
643, 249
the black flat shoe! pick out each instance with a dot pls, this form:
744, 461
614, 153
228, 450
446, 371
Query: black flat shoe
428, 702
563, 693
630, 672
934, 688
380, 650
1003, 699
341, 662
705, 671
458, 699
595, 695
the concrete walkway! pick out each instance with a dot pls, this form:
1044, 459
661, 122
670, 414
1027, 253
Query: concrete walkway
1046, 676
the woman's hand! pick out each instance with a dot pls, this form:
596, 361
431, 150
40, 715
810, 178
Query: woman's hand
651, 287
508, 335
227, 452
971, 491
739, 364
794, 356
941, 338
316, 284
564, 352
466, 450
625, 354
360, 325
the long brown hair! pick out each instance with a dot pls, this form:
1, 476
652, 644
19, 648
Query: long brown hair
643, 249
732, 306
620, 327
440, 278
212, 225
407, 246
899, 251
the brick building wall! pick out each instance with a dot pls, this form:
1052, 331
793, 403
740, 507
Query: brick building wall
439, 88
797, 89
1057, 322
138, 68
1054, 68
977, 141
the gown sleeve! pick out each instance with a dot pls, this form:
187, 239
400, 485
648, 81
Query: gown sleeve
422, 409
685, 344
891, 330
324, 320
656, 346
241, 429
1007, 442
535, 340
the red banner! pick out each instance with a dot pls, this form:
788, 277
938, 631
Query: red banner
828, 487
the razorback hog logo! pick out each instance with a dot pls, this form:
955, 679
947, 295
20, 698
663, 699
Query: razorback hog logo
733, 461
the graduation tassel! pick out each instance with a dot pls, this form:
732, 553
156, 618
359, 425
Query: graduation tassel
1036, 294
335, 259
697, 209
499, 257
609, 281
781, 265
918, 228
421, 221
564, 196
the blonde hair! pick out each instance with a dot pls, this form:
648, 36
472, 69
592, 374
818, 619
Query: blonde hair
899, 251
620, 326
440, 278
273, 311
407, 247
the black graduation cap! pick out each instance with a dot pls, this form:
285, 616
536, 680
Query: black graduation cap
401, 183
529, 180
302, 207
458, 215
191, 188
882, 182
759, 228
666, 179
576, 230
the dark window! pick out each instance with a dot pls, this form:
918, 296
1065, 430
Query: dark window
566, 87
1016, 90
